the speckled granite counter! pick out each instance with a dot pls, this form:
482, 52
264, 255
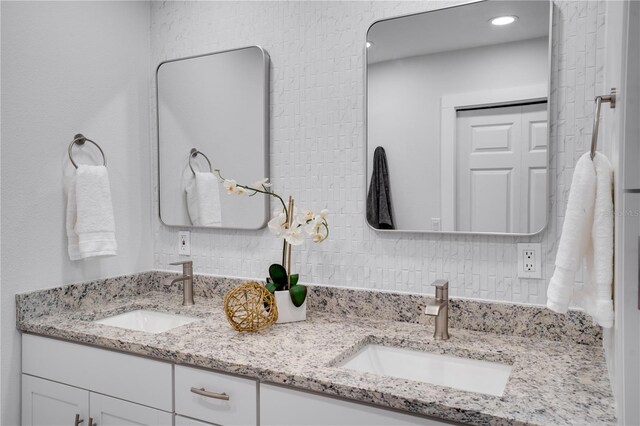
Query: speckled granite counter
557, 382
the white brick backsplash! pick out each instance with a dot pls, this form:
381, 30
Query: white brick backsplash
318, 146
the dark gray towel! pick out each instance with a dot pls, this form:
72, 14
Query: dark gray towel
379, 197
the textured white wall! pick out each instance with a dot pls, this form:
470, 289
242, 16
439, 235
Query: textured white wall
68, 67
318, 147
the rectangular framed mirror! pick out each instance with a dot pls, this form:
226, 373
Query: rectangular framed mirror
213, 113
457, 113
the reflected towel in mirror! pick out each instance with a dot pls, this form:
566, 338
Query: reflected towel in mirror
90, 223
379, 197
203, 200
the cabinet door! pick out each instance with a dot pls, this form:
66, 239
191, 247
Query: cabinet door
280, 406
46, 403
107, 411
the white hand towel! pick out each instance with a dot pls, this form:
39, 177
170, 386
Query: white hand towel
90, 222
203, 200
587, 234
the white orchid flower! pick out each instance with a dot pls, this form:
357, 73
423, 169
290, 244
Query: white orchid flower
230, 185
241, 191
294, 235
233, 188
318, 237
307, 215
261, 184
324, 213
313, 226
277, 225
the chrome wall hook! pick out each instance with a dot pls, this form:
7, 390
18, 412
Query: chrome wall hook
611, 100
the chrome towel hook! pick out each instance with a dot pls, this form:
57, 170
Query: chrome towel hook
80, 139
611, 99
194, 152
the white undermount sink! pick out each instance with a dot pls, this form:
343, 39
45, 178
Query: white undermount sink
148, 321
471, 375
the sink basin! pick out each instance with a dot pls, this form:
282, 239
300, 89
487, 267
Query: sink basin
149, 321
471, 375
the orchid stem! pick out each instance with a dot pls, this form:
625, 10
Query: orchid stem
262, 191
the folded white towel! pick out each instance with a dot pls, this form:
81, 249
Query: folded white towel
203, 200
587, 234
90, 222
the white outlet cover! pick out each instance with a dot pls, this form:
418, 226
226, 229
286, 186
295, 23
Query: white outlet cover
536, 248
184, 243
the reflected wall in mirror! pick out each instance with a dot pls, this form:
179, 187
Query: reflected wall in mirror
460, 106
213, 114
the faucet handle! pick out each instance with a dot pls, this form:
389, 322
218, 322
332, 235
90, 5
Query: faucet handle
184, 262
441, 284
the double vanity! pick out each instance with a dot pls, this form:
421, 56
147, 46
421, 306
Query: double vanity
124, 350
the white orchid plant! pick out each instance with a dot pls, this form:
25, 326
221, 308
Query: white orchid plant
294, 226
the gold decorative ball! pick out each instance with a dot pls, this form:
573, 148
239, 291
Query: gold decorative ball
250, 307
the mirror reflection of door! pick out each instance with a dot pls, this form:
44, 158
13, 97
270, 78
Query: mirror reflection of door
501, 174
424, 74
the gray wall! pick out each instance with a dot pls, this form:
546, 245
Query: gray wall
67, 68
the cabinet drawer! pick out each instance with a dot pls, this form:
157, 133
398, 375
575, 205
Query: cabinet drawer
281, 406
240, 409
137, 379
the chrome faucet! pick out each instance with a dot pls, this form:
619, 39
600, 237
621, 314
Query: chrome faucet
440, 310
187, 277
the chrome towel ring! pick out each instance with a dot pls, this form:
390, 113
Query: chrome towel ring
80, 140
611, 99
194, 152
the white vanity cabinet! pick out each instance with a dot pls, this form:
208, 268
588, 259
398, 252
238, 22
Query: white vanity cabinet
62, 380
47, 403
67, 384
280, 406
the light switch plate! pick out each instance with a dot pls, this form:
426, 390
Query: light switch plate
184, 243
530, 260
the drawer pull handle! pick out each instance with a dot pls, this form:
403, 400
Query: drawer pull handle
78, 420
208, 394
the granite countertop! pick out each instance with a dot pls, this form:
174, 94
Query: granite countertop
552, 382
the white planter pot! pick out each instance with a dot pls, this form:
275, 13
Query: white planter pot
287, 311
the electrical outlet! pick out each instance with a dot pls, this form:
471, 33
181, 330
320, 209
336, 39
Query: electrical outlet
435, 223
184, 243
530, 260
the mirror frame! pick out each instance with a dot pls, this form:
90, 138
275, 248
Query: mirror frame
266, 59
366, 129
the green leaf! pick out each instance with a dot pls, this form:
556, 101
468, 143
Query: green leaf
298, 293
294, 279
271, 287
278, 274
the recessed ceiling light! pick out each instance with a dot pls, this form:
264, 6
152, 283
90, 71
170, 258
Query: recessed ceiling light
369, 44
503, 20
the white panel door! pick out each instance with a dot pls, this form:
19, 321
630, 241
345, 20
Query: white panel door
107, 411
488, 169
501, 169
46, 403
533, 185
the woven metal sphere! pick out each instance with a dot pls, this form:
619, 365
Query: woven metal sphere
250, 307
